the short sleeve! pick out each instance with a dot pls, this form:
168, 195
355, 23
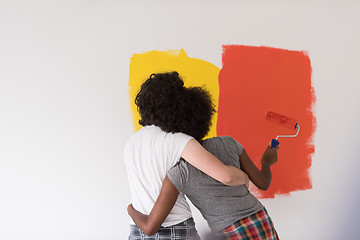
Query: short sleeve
238, 147
176, 142
178, 175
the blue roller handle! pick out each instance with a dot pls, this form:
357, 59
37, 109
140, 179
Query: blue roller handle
274, 143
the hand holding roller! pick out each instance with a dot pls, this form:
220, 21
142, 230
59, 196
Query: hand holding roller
283, 121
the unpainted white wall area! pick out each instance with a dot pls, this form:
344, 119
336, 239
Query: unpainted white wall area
65, 116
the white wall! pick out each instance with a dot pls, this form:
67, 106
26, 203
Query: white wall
64, 106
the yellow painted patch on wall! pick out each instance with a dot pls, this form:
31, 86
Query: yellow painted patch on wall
194, 72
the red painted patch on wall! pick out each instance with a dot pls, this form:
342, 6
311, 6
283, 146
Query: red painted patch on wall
255, 80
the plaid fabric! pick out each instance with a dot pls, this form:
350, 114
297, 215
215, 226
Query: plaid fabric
257, 226
184, 230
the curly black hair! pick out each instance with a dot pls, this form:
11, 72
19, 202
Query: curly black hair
164, 101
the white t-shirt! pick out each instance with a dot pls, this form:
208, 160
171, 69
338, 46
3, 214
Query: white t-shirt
149, 154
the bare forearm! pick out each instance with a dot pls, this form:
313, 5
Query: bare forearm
150, 224
206, 162
260, 178
266, 171
141, 220
268, 159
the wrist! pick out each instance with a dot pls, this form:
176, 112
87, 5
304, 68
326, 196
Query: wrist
265, 164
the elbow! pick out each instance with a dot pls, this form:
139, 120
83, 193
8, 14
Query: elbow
235, 179
228, 177
149, 230
228, 180
264, 186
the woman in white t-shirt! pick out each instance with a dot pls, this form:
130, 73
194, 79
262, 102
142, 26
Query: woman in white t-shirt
150, 152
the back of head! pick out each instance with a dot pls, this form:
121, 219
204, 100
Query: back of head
165, 102
199, 111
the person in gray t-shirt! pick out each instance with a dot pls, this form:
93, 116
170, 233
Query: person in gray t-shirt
229, 210
220, 205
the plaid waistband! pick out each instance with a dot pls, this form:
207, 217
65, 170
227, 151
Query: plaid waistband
257, 226
183, 230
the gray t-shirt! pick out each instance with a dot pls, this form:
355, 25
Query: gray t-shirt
219, 204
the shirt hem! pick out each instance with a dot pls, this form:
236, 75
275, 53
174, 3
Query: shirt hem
247, 215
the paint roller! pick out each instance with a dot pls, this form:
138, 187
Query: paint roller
283, 121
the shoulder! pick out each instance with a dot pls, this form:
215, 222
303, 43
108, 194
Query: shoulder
182, 165
181, 169
142, 135
177, 138
178, 174
225, 140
